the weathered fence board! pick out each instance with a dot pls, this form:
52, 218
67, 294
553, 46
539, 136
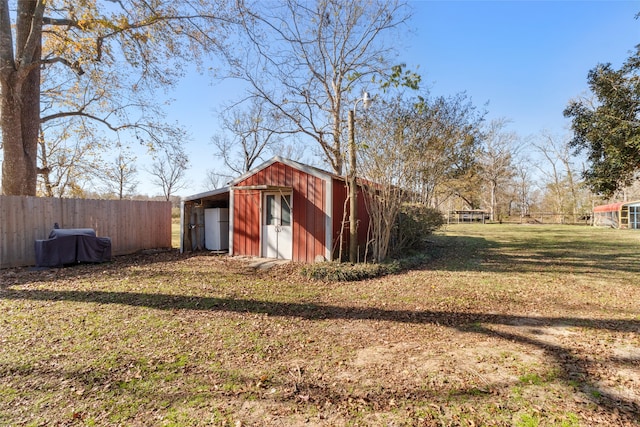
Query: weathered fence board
132, 225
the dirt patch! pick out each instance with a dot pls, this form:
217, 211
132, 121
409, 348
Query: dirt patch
482, 363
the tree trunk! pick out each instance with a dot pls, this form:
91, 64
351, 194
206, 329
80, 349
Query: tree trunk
493, 200
19, 119
20, 97
334, 151
353, 194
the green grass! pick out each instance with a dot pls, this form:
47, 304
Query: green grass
175, 233
503, 325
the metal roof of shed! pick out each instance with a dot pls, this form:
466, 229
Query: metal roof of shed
614, 207
213, 194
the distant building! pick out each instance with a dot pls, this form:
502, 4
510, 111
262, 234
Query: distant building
617, 215
469, 215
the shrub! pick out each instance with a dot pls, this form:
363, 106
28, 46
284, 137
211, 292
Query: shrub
345, 272
415, 223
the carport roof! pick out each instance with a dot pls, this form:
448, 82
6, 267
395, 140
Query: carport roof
218, 193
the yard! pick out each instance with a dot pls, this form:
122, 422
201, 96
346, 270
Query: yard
508, 325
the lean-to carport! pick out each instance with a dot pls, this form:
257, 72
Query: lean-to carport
193, 221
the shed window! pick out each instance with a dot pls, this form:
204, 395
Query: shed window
285, 209
277, 209
271, 218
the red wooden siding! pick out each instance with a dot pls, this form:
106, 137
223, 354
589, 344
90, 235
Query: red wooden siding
308, 204
246, 211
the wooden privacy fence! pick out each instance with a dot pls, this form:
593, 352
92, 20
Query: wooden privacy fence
132, 225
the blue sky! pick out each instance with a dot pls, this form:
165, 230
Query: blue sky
526, 59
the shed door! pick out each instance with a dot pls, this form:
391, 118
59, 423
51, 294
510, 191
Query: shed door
277, 237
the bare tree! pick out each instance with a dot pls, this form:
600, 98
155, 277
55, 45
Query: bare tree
215, 180
68, 161
496, 160
522, 184
253, 132
310, 60
292, 149
559, 175
168, 171
120, 176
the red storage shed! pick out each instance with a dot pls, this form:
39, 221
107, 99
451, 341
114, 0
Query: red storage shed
281, 209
